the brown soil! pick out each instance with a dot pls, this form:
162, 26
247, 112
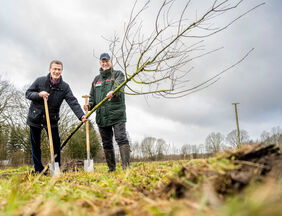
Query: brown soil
251, 164
72, 166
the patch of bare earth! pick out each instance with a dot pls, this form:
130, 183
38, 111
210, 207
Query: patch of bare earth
249, 164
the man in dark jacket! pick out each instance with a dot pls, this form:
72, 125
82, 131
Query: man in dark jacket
56, 90
110, 116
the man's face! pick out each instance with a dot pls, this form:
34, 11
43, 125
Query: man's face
55, 71
105, 64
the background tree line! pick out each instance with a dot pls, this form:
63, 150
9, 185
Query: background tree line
15, 138
151, 148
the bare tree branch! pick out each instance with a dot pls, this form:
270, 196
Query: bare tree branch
158, 63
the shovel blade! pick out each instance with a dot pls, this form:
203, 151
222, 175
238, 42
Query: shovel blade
88, 166
54, 169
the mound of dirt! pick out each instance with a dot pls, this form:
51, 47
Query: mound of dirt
218, 180
72, 166
256, 163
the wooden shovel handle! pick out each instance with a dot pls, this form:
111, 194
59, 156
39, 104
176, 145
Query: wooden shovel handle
87, 127
49, 129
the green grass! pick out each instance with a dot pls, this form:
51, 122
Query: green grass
131, 192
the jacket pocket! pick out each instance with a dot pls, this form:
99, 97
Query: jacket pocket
35, 115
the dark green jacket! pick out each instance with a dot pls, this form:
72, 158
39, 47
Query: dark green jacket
113, 111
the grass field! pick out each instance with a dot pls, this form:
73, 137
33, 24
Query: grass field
196, 187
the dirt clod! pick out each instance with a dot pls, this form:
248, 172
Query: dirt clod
249, 164
72, 166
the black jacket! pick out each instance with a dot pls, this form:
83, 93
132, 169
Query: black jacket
59, 92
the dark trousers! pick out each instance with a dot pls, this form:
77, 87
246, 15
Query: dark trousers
35, 142
118, 130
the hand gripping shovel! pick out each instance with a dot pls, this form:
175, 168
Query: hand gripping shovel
53, 166
88, 164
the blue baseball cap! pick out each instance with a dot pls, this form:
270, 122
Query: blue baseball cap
105, 56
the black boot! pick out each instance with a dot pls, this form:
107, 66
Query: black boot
125, 155
110, 158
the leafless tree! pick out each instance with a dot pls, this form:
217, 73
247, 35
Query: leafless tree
273, 137
264, 136
214, 142
146, 147
232, 138
201, 149
135, 150
186, 150
276, 134
6, 92
159, 63
195, 151
67, 120
161, 148
153, 148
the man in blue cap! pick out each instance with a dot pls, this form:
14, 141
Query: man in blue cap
110, 116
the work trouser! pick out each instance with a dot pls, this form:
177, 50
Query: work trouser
35, 142
118, 130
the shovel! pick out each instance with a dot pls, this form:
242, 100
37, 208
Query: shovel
88, 164
53, 166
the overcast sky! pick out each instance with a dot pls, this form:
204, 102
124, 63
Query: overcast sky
32, 33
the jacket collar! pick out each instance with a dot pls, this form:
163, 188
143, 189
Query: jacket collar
51, 85
105, 73
57, 83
